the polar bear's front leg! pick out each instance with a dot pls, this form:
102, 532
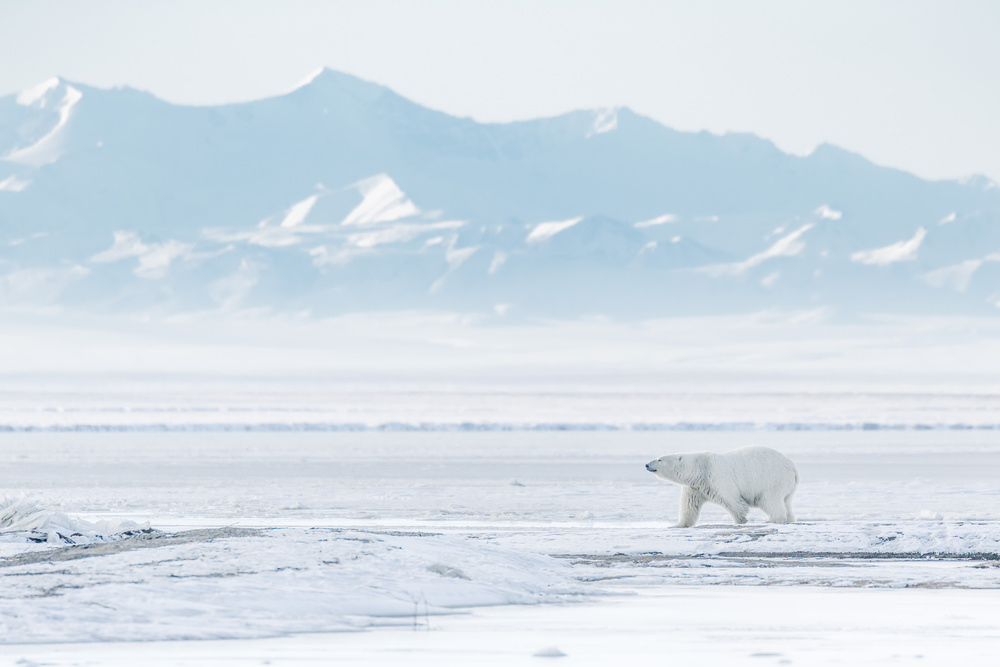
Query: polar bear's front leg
691, 501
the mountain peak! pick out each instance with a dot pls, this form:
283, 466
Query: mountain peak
55, 99
315, 74
605, 120
327, 80
979, 182
38, 95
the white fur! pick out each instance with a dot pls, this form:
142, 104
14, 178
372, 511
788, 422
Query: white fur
737, 480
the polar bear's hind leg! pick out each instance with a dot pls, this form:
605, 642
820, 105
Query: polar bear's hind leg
789, 514
739, 510
776, 509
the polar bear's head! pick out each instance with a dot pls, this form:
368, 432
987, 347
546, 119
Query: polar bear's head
686, 469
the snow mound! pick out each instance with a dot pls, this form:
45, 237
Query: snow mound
543, 231
903, 251
14, 184
297, 214
154, 258
787, 246
382, 201
227, 585
659, 220
957, 277
827, 213
23, 521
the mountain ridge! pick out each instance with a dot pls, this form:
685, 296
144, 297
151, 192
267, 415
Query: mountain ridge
266, 194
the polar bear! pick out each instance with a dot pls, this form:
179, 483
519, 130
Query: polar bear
737, 480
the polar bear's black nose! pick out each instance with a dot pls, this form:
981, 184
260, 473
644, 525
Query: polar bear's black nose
649, 467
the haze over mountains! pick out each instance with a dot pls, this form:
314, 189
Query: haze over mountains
341, 196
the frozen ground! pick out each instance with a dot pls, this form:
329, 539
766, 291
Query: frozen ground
691, 625
246, 540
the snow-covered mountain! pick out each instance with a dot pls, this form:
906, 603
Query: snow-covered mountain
342, 196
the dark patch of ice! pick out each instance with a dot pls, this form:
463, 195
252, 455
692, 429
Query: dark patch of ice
146, 539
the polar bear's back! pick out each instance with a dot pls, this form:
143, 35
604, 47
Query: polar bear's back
760, 469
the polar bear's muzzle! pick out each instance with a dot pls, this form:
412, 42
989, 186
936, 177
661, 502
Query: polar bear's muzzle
651, 466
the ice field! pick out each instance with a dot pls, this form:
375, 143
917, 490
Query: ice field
235, 532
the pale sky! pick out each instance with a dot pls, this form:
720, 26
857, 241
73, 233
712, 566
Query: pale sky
909, 84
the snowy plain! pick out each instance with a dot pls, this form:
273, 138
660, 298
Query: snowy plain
249, 525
